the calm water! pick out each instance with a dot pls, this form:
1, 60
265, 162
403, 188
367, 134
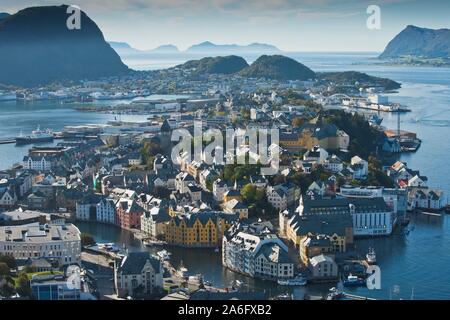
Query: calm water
417, 263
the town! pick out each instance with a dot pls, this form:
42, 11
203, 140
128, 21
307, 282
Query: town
334, 185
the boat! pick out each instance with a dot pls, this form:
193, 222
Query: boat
299, 280
150, 243
183, 272
216, 250
371, 256
375, 120
37, 135
353, 281
163, 254
334, 294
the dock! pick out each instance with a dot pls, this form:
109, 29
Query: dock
355, 297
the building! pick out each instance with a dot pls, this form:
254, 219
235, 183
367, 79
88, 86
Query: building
138, 274
60, 243
203, 229
312, 246
426, 198
236, 207
254, 250
153, 222
371, 216
283, 195
220, 187
96, 208
360, 168
323, 267
128, 214
38, 163
316, 154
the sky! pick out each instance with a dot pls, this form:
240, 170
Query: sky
291, 25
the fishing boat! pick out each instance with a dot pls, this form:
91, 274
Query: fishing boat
299, 280
353, 281
37, 135
371, 257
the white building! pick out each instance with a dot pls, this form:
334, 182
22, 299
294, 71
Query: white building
316, 154
37, 163
220, 187
360, 168
254, 250
138, 272
33, 241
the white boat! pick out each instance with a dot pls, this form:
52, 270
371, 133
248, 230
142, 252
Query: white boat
163, 254
299, 280
150, 243
371, 256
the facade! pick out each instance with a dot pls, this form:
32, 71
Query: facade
220, 187
139, 273
128, 214
282, 196
38, 163
33, 241
254, 250
202, 229
371, 216
426, 198
323, 267
153, 222
96, 208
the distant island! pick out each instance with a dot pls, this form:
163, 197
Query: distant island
37, 48
211, 48
123, 48
420, 46
4, 15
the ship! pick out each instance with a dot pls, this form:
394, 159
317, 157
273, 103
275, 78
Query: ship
37, 135
371, 257
299, 280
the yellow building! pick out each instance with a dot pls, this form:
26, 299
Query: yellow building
202, 229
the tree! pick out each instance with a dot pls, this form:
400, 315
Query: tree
7, 286
87, 239
23, 285
4, 269
297, 122
252, 194
9, 260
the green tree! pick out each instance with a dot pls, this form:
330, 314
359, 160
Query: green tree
9, 260
252, 194
4, 269
297, 122
87, 239
7, 288
23, 285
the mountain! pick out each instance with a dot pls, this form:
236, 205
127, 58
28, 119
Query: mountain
279, 68
167, 48
364, 80
216, 65
37, 48
123, 48
209, 47
419, 42
4, 15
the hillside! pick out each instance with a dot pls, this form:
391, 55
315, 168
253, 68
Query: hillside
364, 80
215, 65
37, 48
419, 42
279, 68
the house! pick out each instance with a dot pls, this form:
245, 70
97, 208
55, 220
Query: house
360, 168
283, 195
334, 164
312, 246
134, 159
232, 194
426, 198
128, 214
153, 222
139, 273
316, 154
8, 197
322, 268
236, 207
417, 181
220, 187
38, 163
182, 181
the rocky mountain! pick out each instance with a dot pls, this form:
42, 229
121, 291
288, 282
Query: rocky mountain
215, 65
38, 48
363, 79
419, 42
278, 67
211, 48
